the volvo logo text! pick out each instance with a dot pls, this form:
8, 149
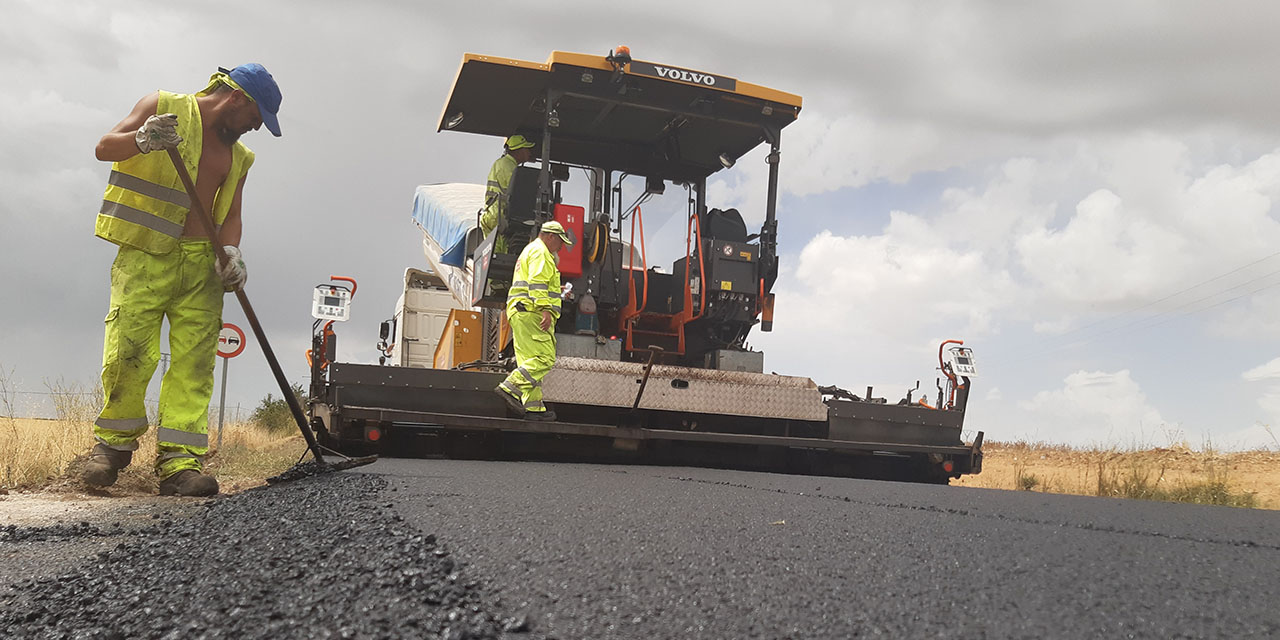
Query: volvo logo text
685, 76
677, 74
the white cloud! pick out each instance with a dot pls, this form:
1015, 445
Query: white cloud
1148, 233
1095, 227
895, 284
1103, 254
1065, 243
1267, 371
851, 150
1095, 408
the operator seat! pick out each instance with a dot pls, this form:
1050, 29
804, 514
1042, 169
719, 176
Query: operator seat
724, 225
522, 195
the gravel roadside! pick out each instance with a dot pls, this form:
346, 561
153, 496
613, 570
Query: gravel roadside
317, 558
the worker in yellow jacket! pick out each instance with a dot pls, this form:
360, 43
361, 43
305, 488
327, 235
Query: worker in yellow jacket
516, 151
165, 267
533, 306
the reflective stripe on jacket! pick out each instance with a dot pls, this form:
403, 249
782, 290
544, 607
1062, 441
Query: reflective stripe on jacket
145, 205
536, 281
496, 192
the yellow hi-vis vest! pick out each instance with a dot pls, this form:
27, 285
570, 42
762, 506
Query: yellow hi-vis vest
536, 281
145, 205
496, 192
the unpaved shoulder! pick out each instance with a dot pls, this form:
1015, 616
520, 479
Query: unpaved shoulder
45, 534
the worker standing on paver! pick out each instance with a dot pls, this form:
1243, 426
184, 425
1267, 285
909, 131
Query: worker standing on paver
533, 306
517, 151
165, 267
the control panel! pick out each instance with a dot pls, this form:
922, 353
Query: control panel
331, 302
962, 362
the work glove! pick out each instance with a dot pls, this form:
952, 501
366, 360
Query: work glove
233, 273
158, 132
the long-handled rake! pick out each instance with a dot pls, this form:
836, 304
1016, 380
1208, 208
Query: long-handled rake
300, 470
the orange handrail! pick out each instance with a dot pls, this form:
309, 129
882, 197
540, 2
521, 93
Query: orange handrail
644, 259
346, 279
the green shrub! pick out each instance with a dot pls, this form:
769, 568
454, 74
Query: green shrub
1022, 480
273, 414
1136, 482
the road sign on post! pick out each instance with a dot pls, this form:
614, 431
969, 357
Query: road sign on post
230, 345
230, 341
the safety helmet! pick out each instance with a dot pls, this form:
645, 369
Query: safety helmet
558, 229
518, 142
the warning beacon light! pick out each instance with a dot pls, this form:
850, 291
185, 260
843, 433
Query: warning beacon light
620, 55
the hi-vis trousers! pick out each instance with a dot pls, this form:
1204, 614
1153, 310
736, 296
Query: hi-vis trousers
535, 355
145, 289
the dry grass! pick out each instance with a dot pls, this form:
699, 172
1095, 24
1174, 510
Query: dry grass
1177, 473
47, 453
41, 461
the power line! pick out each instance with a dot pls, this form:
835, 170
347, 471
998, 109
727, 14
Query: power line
1218, 304
1174, 294
1159, 321
1194, 302
1146, 322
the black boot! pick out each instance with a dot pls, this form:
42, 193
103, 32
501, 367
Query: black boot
104, 465
188, 482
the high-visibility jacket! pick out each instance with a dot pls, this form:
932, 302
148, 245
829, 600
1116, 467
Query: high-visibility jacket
536, 281
497, 192
145, 205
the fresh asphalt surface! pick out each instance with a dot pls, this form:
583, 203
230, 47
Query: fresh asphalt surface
466, 549
591, 551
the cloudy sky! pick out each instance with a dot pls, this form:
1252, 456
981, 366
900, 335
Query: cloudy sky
1084, 192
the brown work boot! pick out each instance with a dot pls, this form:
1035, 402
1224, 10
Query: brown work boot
104, 465
540, 416
188, 482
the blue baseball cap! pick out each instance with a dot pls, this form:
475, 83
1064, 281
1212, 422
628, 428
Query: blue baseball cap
254, 80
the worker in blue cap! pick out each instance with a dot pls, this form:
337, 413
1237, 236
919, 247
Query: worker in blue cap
165, 267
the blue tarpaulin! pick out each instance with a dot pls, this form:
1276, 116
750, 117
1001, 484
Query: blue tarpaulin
447, 213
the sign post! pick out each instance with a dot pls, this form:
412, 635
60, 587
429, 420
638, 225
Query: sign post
230, 345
